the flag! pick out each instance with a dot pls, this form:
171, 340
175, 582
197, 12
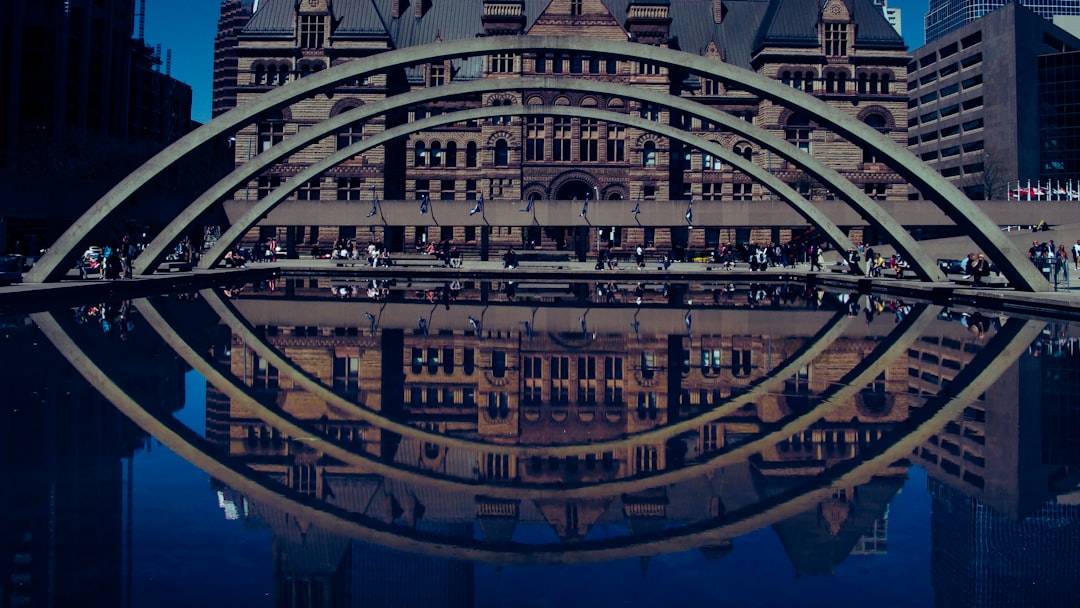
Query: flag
421, 324
424, 202
637, 207
585, 206
690, 211
479, 205
528, 208
374, 202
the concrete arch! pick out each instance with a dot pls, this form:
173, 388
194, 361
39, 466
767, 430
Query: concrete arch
923, 267
967, 215
1004, 349
811, 213
831, 331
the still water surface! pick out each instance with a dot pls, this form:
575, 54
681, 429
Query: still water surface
474, 445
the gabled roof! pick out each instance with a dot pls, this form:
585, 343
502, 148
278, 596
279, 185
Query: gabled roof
747, 26
794, 23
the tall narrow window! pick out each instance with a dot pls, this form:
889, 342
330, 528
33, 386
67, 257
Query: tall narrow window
451, 154
589, 146
836, 39
312, 31
470, 154
563, 137
534, 138
616, 144
502, 153
648, 154
576, 7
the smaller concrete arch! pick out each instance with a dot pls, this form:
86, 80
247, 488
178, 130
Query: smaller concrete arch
589, 102
534, 100
562, 100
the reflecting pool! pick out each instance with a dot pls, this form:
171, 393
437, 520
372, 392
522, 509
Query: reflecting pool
327, 442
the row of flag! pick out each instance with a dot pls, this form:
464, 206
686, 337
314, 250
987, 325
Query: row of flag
1041, 192
425, 203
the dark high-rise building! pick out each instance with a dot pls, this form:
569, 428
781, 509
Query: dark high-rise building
982, 558
82, 103
944, 16
234, 15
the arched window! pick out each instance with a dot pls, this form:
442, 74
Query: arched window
808, 82
271, 75
885, 84
862, 85
785, 78
797, 132
744, 150
451, 154
420, 155
470, 154
796, 81
830, 82
436, 154
259, 77
502, 153
841, 82
873, 84
648, 154
879, 124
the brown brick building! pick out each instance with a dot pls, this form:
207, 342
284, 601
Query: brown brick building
844, 52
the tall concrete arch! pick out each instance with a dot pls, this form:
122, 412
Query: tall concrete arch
967, 215
1001, 352
924, 267
812, 214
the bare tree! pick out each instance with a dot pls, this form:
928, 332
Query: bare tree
988, 184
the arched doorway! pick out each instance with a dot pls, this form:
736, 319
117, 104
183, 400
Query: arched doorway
573, 189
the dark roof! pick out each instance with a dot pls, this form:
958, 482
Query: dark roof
794, 23
747, 24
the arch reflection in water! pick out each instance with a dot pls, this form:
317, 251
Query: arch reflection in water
827, 462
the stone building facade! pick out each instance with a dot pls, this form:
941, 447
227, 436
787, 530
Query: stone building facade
843, 51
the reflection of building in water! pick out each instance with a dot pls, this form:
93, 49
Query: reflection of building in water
1009, 458
539, 388
818, 541
62, 452
980, 557
875, 541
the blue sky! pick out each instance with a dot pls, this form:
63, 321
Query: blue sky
188, 28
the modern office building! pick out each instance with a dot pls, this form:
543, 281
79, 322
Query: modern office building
82, 103
892, 15
976, 112
843, 51
944, 16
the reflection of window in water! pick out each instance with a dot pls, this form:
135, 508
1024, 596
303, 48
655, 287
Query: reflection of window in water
648, 365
